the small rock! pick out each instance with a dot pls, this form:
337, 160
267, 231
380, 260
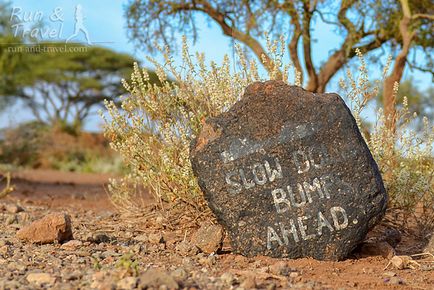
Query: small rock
227, 278
396, 281
100, 280
40, 279
141, 238
98, 238
52, 227
294, 274
23, 218
187, 262
154, 278
127, 283
72, 245
208, 238
11, 219
4, 250
280, 268
180, 275
207, 261
155, 238
137, 248
160, 221
248, 282
185, 248
75, 275
13, 208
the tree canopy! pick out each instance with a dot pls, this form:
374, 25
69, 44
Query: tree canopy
61, 83
363, 24
398, 26
8, 62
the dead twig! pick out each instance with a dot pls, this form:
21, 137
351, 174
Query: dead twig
8, 188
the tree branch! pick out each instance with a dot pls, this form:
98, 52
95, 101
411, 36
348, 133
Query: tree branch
425, 16
221, 19
313, 77
293, 44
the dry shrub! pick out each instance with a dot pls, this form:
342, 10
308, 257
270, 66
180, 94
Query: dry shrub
404, 154
155, 125
37, 145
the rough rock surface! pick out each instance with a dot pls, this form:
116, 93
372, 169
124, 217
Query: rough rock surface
288, 174
52, 227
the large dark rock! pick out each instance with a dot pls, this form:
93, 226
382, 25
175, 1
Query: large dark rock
288, 174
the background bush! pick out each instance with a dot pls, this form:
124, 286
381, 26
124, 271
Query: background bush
37, 145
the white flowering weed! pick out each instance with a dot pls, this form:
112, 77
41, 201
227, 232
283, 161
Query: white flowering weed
155, 124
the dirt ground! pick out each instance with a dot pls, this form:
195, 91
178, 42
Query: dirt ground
115, 251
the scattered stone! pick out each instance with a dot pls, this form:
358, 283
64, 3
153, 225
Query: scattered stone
227, 278
75, 275
396, 281
72, 245
154, 278
13, 208
23, 218
40, 279
288, 174
207, 260
98, 238
52, 227
280, 268
208, 238
185, 248
160, 222
249, 282
127, 283
180, 275
4, 250
156, 238
11, 219
143, 238
430, 246
102, 280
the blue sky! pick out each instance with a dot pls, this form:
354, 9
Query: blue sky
105, 23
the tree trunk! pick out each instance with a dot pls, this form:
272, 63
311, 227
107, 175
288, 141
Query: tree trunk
389, 98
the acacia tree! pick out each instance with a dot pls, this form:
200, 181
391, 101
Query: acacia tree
8, 62
60, 87
366, 25
62, 83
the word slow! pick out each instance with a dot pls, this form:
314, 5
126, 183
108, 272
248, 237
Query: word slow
261, 173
